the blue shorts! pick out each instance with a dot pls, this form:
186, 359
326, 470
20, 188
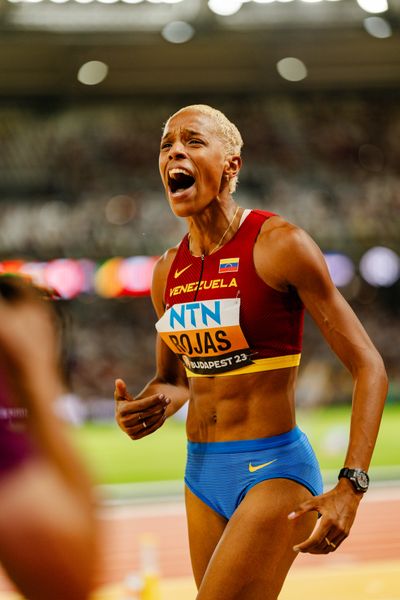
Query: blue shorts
221, 473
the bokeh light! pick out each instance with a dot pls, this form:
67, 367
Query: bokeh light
11, 266
120, 209
92, 72
35, 271
225, 7
341, 268
135, 274
177, 32
380, 266
106, 279
291, 69
66, 276
373, 6
377, 27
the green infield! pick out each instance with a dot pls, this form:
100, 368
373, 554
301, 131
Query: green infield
114, 458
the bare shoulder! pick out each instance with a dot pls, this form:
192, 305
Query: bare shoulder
163, 264
284, 254
160, 274
276, 230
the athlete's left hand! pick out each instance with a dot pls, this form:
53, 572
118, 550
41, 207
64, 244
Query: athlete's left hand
338, 509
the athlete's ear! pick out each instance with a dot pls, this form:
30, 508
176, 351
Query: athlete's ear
232, 166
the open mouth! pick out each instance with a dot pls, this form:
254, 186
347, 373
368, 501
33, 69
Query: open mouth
179, 180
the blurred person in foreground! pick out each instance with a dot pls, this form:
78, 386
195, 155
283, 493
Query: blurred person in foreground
47, 540
230, 301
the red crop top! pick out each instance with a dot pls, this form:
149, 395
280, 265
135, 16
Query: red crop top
221, 318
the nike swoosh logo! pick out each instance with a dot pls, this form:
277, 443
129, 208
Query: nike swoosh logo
255, 468
179, 273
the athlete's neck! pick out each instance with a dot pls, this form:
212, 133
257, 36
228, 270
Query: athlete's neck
205, 240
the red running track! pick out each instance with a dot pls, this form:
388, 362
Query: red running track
375, 536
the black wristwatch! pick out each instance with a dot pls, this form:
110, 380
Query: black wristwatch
358, 478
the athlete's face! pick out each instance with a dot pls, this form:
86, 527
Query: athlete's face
192, 162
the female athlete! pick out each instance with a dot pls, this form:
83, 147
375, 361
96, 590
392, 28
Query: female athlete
230, 301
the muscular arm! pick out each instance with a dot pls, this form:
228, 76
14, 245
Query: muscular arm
298, 262
348, 339
168, 390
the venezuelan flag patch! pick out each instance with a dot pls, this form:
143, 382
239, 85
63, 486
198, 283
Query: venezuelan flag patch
228, 265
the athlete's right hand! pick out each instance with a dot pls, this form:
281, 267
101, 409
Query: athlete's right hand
138, 417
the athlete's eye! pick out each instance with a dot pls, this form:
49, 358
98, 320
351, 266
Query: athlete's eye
193, 142
165, 145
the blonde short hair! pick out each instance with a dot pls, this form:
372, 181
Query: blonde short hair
228, 132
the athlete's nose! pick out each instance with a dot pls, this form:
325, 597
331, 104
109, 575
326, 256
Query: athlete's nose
177, 150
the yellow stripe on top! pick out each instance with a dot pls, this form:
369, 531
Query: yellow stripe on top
262, 364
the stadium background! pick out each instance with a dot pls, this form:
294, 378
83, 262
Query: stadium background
85, 86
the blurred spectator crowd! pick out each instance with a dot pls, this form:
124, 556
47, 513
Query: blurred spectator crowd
84, 179
81, 180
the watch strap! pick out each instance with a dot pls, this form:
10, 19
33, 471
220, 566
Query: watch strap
346, 472
358, 478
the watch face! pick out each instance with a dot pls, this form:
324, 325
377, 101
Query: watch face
362, 480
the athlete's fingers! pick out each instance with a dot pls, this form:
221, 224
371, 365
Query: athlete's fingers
337, 541
148, 414
153, 405
316, 543
148, 429
313, 540
120, 392
323, 545
313, 547
336, 536
136, 418
305, 507
324, 538
142, 423
337, 516
147, 404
